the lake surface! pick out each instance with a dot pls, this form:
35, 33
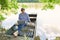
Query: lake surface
48, 22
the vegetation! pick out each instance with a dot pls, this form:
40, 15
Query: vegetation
8, 4
1, 17
49, 3
24, 6
7, 7
4, 4
57, 38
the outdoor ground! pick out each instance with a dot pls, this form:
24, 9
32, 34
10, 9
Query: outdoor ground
11, 37
20, 38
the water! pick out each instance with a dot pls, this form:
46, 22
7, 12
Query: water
48, 22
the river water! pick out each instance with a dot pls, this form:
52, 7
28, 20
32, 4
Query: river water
48, 22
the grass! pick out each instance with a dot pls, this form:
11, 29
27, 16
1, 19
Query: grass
57, 38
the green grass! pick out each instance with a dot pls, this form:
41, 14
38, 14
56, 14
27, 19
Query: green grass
57, 38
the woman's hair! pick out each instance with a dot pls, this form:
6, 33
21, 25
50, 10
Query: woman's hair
22, 9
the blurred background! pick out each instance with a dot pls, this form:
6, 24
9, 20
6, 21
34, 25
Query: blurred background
48, 15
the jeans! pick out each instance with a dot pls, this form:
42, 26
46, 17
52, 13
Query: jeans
20, 26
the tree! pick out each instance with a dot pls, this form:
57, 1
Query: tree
4, 4
8, 4
49, 3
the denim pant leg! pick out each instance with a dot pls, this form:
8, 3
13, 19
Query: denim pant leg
20, 27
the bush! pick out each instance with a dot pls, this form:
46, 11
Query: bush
1, 17
6, 4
